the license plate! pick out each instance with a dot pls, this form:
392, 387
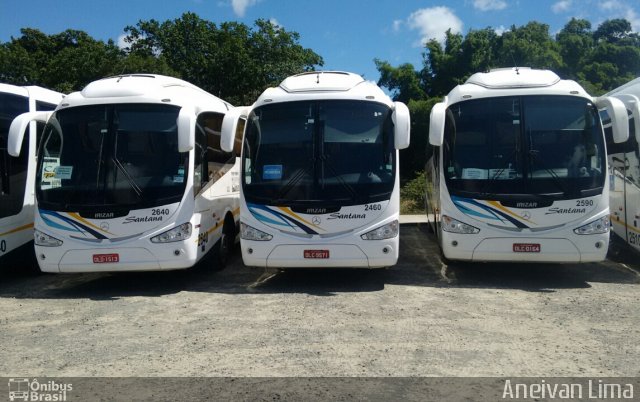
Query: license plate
105, 258
526, 248
316, 253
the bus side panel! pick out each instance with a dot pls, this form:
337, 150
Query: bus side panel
625, 209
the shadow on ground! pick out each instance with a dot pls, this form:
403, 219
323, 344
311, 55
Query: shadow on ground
419, 265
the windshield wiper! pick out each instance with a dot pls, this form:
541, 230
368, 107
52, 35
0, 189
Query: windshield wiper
493, 178
344, 184
132, 182
291, 182
533, 153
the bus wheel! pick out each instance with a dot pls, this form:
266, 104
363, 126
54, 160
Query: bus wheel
223, 247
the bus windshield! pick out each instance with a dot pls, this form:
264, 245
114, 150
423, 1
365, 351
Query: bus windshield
337, 152
113, 155
551, 146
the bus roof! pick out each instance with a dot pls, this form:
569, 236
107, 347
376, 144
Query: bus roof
38, 93
513, 82
632, 87
145, 88
324, 85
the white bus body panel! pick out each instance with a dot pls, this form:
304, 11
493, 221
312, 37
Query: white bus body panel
625, 191
625, 209
338, 233
551, 228
17, 230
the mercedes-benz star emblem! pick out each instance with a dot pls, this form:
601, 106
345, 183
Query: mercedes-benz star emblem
315, 220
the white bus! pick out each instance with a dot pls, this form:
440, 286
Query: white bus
320, 180
624, 169
519, 169
131, 177
17, 174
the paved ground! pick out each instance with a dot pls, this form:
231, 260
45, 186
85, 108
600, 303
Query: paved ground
420, 318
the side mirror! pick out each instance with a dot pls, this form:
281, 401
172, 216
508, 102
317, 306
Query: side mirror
186, 129
633, 104
436, 123
18, 128
230, 125
402, 122
619, 117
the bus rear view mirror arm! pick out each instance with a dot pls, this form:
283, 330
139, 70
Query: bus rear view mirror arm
402, 122
186, 129
18, 127
436, 123
619, 117
230, 126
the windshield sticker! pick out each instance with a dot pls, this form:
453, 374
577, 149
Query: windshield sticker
178, 179
63, 172
49, 179
474, 174
272, 172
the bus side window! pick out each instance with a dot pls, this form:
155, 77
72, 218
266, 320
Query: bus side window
237, 144
42, 106
211, 162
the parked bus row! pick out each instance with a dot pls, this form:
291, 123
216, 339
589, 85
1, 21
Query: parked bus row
146, 172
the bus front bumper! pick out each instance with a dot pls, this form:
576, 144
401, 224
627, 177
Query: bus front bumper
370, 254
589, 248
162, 257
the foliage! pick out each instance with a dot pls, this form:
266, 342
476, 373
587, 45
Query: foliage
233, 61
413, 193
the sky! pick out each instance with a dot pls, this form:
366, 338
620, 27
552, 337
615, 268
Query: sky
348, 34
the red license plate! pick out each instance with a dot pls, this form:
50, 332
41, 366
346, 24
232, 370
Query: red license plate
105, 258
526, 248
316, 253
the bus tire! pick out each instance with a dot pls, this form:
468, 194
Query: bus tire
223, 246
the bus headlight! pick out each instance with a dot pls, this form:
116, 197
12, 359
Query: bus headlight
388, 231
178, 233
42, 239
598, 226
455, 226
250, 233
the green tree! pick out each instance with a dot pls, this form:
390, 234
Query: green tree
66, 61
576, 46
614, 31
529, 46
403, 81
233, 61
